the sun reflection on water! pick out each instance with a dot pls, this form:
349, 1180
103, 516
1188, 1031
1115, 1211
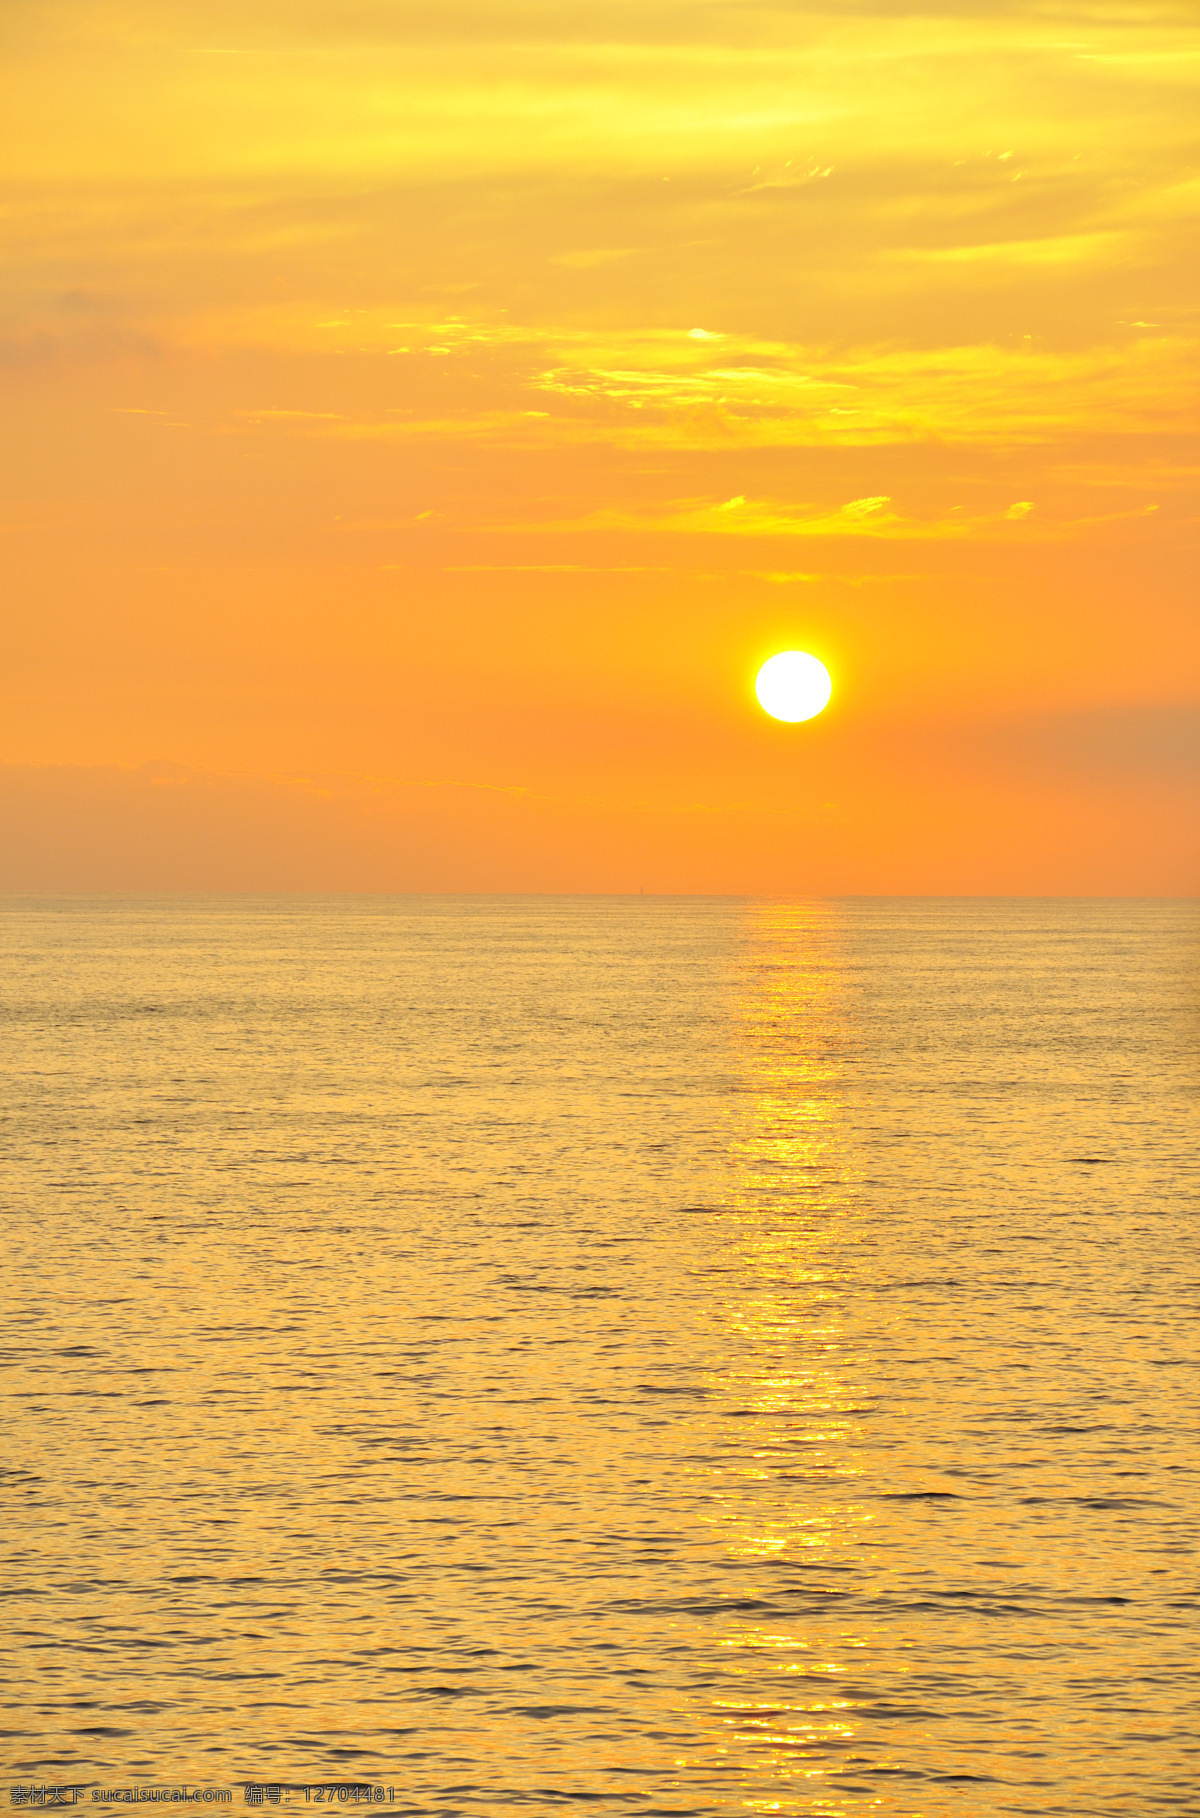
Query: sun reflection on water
790, 1398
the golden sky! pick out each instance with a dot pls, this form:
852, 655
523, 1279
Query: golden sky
424, 419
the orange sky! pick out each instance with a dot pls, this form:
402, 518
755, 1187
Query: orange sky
423, 420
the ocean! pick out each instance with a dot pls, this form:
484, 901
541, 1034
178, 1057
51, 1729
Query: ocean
497, 1355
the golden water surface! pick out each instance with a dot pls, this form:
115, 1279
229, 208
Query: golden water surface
625, 1356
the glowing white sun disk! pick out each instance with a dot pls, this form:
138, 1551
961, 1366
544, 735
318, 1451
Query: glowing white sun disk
793, 685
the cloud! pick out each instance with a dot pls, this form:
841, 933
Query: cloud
1122, 741
162, 826
871, 517
642, 301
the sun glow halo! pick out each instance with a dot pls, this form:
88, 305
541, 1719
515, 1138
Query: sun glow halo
793, 686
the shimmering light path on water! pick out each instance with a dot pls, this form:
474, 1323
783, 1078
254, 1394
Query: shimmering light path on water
631, 1356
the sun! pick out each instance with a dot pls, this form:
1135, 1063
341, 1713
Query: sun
793, 686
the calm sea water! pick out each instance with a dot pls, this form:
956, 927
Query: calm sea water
633, 1356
